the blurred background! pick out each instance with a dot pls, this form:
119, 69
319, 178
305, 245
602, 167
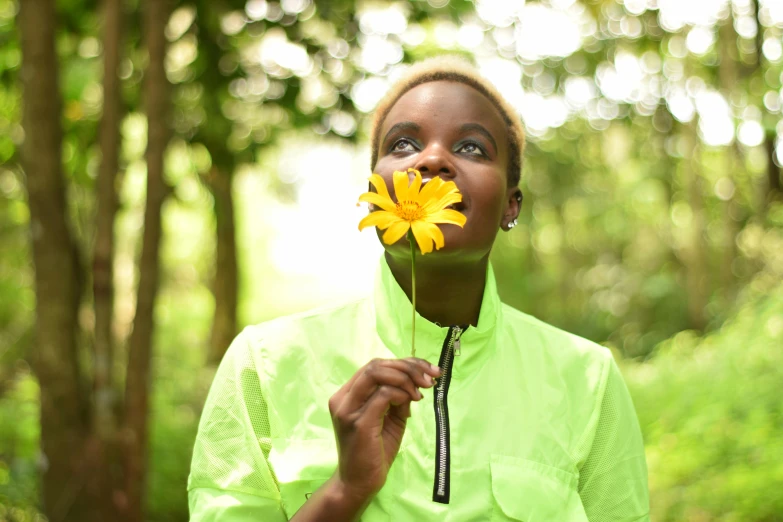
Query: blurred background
171, 171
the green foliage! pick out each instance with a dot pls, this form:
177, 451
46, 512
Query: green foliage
19, 454
712, 418
183, 326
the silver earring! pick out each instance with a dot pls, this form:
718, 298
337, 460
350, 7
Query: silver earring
512, 224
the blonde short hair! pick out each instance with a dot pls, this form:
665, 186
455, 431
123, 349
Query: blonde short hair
455, 69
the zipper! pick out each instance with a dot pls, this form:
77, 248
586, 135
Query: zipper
451, 347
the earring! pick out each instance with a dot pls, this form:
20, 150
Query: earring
512, 224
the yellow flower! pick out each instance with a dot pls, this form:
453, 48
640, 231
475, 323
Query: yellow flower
415, 210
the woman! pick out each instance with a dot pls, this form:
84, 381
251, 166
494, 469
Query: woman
321, 416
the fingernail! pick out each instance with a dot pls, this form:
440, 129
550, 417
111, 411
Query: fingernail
435, 368
421, 396
428, 379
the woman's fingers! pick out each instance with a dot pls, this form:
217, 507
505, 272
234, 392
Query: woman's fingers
367, 383
379, 403
399, 414
406, 374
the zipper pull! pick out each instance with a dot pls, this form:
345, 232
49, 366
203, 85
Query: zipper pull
457, 335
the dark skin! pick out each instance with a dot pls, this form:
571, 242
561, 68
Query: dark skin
445, 129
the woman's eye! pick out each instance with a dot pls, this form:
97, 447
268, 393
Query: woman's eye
472, 148
402, 145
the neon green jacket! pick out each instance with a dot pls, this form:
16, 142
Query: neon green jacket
528, 423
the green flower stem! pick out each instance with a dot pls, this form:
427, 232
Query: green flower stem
413, 288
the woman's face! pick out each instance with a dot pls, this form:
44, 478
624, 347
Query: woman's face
451, 130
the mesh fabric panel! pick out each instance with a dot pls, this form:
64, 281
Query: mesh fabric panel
233, 442
612, 480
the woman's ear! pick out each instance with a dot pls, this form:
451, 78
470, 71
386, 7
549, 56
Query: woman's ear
513, 206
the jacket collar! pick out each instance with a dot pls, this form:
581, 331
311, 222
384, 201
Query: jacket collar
393, 316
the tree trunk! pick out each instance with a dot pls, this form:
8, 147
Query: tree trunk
225, 287
103, 260
696, 250
156, 93
64, 414
773, 171
728, 77
219, 180
106, 480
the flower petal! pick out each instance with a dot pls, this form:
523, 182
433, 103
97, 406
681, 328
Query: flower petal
380, 219
380, 186
395, 232
446, 189
413, 190
378, 200
435, 205
429, 190
400, 185
425, 234
447, 216
436, 233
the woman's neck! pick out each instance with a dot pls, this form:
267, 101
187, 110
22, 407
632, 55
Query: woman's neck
448, 295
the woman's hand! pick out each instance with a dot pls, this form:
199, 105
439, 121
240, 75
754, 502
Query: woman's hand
369, 414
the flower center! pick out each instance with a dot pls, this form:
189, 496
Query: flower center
409, 211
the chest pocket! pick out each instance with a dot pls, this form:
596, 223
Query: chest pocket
533, 492
301, 467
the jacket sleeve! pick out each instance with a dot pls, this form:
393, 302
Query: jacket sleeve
613, 478
230, 478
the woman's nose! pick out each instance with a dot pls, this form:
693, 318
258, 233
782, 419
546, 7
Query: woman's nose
434, 161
